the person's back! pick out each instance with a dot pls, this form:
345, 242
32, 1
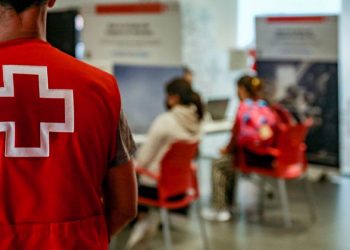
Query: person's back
58, 138
256, 122
63, 93
181, 122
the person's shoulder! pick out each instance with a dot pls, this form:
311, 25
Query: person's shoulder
166, 126
83, 66
98, 74
79, 68
164, 121
164, 118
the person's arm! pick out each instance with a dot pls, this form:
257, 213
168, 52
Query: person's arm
120, 187
120, 197
231, 146
156, 138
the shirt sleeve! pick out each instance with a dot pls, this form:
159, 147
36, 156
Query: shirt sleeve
156, 138
126, 146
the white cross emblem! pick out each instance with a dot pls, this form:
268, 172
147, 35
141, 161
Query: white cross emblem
45, 127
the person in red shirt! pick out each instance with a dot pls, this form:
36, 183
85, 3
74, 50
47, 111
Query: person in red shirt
66, 174
252, 131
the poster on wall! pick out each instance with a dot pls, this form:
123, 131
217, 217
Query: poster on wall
133, 33
298, 59
143, 92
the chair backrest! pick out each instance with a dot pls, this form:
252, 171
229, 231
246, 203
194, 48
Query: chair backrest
176, 175
283, 116
291, 145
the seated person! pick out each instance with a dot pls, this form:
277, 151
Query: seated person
187, 75
181, 122
252, 131
254, 125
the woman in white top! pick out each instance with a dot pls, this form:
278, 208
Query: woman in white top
181, 122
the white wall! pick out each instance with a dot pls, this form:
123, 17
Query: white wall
75, 3
345, 86
209, 32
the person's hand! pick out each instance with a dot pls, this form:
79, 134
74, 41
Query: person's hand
224, 151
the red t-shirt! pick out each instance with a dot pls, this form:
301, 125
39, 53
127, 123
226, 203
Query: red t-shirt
59, 121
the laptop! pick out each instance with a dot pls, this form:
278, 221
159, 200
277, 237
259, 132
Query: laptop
217, 108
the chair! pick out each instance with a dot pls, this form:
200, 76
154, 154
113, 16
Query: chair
283, 116
177, 176
289, 163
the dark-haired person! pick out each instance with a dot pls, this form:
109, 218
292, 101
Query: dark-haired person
187, 74
249, 92
181, 122
66, 177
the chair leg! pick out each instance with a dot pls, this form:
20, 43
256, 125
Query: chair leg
310, 199
284, 201
166, 228
239, 197
262, 198
202, 227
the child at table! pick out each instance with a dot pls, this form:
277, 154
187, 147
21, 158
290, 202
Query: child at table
253, 128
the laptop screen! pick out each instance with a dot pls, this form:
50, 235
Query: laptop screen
217, 108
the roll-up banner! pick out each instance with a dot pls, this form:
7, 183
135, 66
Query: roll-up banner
297, 56
133, 33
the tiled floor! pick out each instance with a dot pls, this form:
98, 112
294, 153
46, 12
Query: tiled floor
329, 232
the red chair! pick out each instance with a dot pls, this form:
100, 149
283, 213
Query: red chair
290, 163
177, 177
283, 116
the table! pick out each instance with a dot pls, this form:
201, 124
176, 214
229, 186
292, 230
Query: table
208, 127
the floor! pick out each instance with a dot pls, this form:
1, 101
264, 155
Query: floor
331, 231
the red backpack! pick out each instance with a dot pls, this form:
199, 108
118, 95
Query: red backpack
256, 123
